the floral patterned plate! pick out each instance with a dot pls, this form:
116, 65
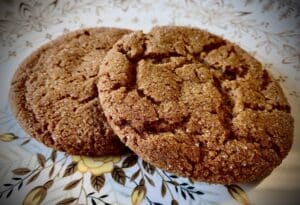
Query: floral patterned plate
34, 174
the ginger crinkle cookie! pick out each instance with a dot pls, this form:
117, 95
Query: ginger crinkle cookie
54, 94
191, 103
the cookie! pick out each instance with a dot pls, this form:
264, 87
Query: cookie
54, 94
196, 105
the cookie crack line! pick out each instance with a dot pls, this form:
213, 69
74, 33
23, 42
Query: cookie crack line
227, 105
196, 57
157, 59
64, 69
257, 107
148, 97
175, 95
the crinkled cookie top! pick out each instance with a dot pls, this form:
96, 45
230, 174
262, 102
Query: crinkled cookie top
194, 104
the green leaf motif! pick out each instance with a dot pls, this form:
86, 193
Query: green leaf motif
118, 175
97, 182
130, 161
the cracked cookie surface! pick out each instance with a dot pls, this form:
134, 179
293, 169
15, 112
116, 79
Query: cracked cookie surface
191, 103
54, 94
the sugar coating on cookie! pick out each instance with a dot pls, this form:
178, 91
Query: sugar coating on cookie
54, 94
194, 104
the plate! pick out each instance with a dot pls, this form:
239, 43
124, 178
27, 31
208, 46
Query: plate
34, 174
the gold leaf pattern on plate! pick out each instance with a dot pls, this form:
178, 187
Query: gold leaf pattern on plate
72, 184
142, 182
25, 142
96, 165
148, 167
97, 182
163, 189
53, 155
41, 159
135, 175
233, 19
34, 177
130, 161
138, 195
66, 201
52, 170
8, 137
48, 184
71, 169
118, 175
21, 171
174, 202
238, 194
150, 180
35, 196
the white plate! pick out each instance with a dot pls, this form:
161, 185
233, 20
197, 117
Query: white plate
33, 174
